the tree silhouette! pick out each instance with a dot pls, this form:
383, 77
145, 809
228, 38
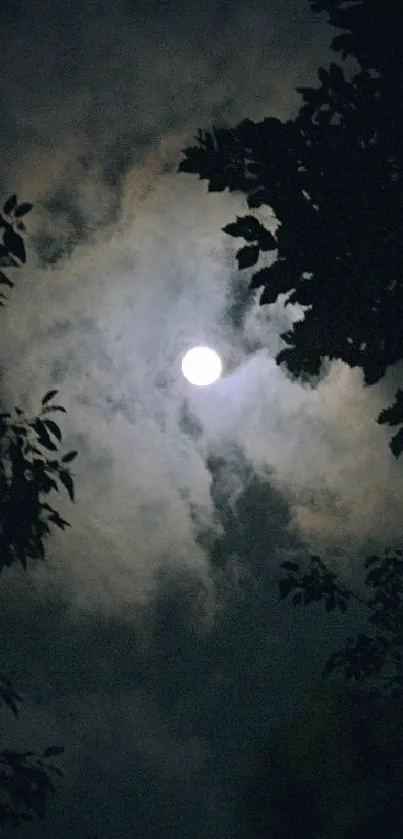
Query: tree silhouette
333, 178
31, 468
375, 660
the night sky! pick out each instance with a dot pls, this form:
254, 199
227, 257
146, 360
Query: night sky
151, 643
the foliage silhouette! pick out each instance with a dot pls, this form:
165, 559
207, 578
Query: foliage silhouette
375, 660
31, 468
333, 178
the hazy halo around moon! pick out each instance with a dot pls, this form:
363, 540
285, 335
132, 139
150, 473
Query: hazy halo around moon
201, 366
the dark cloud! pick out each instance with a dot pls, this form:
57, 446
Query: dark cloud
163, 710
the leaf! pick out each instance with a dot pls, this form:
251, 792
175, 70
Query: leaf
53, 428
43, 436
23, 209
9, 205
394, 414
48, 396
5, 281
396, 443
275, 279
67, 482
53, 751
6, 259
15, 244
247, 256
69, 457
245, 227
58, 521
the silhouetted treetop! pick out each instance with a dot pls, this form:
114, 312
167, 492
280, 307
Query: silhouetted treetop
333, 178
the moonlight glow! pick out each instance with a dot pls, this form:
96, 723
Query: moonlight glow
201, 366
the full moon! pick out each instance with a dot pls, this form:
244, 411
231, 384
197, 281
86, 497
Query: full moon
201, 366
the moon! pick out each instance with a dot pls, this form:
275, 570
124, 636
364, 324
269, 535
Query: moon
201, 366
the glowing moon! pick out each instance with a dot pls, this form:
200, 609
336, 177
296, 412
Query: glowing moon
201, 366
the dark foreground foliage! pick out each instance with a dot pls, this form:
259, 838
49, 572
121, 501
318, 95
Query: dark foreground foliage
333, 178
32, 470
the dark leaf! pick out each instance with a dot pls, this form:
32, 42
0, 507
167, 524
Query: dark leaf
69, 457
43, 436
245, 227
5, 281
396, 443
15, 244
247, 256
48, 396
58, 521
53, 428
394, 414
9, 205
23, 209
67, 482
6, 259
248, 228
275, 279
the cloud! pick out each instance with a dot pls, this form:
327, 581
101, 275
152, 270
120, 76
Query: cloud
161, 712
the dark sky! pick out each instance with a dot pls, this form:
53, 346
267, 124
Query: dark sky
152, 644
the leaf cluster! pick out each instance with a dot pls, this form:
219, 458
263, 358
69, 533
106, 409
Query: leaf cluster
12, 247
316, 583
375, 658
30, 469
